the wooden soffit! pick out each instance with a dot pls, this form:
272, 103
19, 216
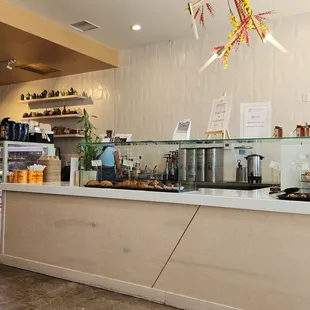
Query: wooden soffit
30, 39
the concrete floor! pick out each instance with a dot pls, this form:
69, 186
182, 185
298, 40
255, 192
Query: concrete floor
23, 290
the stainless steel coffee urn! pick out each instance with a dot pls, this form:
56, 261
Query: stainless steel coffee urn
190, 164
215, 164
254, 163
201, 164
182, 168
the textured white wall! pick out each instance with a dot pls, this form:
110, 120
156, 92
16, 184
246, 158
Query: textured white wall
158, 85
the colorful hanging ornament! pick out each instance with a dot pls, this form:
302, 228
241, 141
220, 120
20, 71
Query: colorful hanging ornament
242, 24
197, 11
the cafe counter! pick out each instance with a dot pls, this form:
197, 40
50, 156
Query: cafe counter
210, 249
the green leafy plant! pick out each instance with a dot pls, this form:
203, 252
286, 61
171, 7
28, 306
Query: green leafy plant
90, 149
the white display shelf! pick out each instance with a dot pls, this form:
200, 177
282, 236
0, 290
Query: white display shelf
52, 99
53, 117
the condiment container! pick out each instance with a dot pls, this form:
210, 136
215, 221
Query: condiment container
22, 176
15, 176
300, 131
39, 176
31, 177
11, 178
278, 131
307, 129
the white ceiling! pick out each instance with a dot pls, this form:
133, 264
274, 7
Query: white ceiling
162, 20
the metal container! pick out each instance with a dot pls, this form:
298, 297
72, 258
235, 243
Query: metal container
254, 162
201, 159
190, 164
214, 164
182, 165
241, 173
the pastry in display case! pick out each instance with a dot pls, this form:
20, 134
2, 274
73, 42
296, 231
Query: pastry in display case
240, 164
180, 166
145, 165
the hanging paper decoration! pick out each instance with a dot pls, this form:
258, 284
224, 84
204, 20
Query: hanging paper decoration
197, 12
242, 24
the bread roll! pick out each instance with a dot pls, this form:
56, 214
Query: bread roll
133, 184
106, 183
141, 185
153, 183
92, 183
126, 183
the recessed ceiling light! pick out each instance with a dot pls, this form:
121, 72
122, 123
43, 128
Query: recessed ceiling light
136, 27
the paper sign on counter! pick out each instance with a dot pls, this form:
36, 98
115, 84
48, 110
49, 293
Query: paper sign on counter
255, 120
96, 163
182, 130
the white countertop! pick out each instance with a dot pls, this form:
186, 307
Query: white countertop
259, 200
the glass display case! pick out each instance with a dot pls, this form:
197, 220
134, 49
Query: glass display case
18, 156
144, 165
179, 166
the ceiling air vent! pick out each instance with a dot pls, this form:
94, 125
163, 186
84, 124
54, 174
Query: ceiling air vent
38, 68
84, 26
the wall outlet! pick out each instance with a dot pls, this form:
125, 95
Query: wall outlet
305, 97
228, 146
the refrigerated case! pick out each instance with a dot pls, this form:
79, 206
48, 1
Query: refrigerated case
18, 156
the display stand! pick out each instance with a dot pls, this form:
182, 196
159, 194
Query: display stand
219, 118
224, 134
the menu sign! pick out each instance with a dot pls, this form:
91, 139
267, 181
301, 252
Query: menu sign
220, 114
256, 120
182, 130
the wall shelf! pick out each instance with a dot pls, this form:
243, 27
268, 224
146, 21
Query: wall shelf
68, 136
53, 117
53, 99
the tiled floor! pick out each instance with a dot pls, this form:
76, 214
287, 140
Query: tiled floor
23, 290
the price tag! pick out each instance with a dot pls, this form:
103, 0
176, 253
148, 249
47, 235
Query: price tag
96, 163
128, 163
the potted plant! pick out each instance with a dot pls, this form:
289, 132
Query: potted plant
89, 150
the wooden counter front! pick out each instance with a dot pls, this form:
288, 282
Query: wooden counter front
191, 257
